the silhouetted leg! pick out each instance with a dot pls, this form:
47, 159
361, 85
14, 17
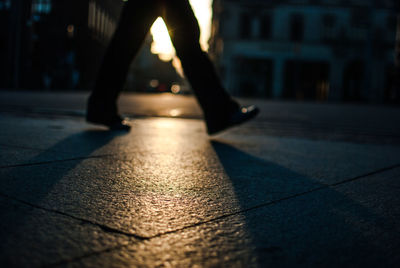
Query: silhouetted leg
199, 70
136, 19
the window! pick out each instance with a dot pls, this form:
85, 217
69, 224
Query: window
100, 22
296, 28
41, 6
245, 26
5, 4
266, 27
360, 19
329, 21
391, 22
92, 15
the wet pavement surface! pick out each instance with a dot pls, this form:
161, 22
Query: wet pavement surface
281, 191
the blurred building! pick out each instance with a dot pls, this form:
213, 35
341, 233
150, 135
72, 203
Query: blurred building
10, 24
394, 93
54, 44
397, 57
4, 40
306, 49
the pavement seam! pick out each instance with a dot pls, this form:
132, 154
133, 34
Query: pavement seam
113, 230
109, 229
123, 158
73, 114
325, 186
22, 147
278, 200
365, 175
225, 216
105, 228
57, 161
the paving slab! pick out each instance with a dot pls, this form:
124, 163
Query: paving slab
16, 156
76, 138
188, 199
350, 225
37, 133
166, 174
33, 237
134, 197
327, 162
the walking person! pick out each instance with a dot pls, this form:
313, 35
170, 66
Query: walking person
219, 109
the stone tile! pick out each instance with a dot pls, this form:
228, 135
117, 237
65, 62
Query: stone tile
78, 139
166, 185
11, 156
351, 225
168, 175
32, 237
326, 162
216, 244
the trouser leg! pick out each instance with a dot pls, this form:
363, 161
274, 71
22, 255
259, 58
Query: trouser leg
198, 68
134, 24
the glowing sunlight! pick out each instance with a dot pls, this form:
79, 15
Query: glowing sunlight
161, 41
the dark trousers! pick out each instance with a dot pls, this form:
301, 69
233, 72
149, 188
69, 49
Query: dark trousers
136, 19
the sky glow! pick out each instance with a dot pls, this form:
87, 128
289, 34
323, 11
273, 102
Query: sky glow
161, 41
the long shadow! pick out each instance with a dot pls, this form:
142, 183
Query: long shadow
71, 151
31, 183
295, 221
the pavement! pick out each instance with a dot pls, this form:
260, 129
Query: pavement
303, 185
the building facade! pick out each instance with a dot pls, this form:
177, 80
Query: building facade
12, 38
5, 7
394, 91
54, 44
306, 49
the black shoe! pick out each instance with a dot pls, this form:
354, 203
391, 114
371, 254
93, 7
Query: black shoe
114, 122
241, 115
98, 114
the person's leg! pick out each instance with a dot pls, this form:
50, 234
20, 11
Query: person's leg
136, 19
199, 70
220, 110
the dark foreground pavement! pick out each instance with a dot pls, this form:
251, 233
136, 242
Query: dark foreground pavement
304, 185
